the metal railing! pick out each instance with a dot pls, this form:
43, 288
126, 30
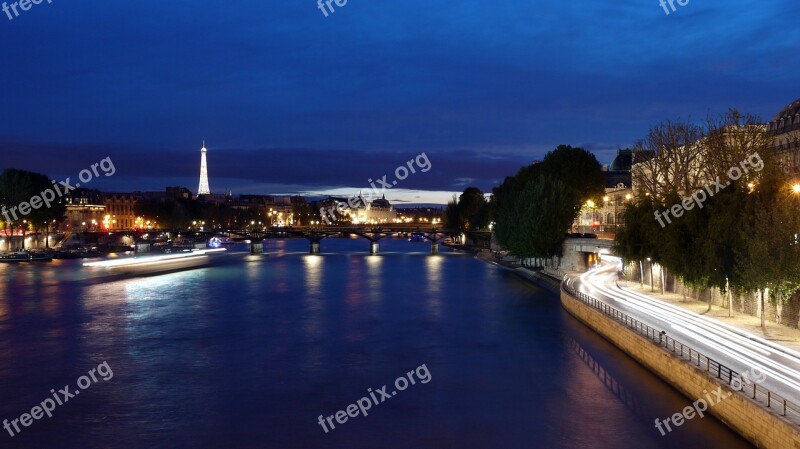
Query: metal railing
555, 272
763, 396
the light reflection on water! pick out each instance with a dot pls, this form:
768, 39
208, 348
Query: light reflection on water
248, 354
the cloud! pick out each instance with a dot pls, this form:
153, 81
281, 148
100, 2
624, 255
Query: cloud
268, 170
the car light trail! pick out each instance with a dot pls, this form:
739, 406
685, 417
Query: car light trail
725, 343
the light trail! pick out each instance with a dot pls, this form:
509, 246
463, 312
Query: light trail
724, 343
153, 260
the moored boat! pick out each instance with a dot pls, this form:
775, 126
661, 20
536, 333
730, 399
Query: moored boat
25, 256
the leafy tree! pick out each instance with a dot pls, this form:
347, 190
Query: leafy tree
469, 211
20, 186
769, 257
534, 209
473, 209
452, 217
578, 170
636, 239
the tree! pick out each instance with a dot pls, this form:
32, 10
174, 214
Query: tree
452, 217
473, 209
731, 138
668, 160
635, 240
469, 211
769, 257
18, 187
578, 170
535, 208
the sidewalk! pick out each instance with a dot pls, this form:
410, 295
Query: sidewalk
776, 333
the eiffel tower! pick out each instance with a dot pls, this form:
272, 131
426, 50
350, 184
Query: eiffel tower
203, 189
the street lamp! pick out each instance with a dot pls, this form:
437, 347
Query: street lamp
652, 289
796, 188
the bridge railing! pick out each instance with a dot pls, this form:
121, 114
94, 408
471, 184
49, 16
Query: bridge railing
761, 395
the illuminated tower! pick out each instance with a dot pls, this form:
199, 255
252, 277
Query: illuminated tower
203, 189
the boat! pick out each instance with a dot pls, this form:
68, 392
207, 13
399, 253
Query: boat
77, 253
25, 256
144, 265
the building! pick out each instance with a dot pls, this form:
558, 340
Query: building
619, 190
785, 130
607, 215
375, 212
86, 210
433, 215
179, 193
120, 211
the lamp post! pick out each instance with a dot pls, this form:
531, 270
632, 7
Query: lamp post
641, 275
47, 234
24, 229
652, 289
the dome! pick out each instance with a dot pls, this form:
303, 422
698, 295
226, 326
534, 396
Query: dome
789, 111
623, 161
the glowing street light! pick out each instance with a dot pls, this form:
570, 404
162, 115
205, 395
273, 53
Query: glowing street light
796, 188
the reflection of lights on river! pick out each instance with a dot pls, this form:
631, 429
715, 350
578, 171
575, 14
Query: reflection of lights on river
433, 270
375, 283
313, 275
314, 304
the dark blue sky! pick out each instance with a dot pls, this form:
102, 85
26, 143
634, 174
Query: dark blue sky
289, 100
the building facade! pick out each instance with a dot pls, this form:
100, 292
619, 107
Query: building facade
376, 212
120, 211
86, 210
785, 132
606, 215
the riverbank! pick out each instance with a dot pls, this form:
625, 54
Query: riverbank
538, 278
754, 420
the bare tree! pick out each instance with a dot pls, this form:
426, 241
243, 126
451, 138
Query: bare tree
668, 160
731, 138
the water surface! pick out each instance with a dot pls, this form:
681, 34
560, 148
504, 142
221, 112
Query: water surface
251, 353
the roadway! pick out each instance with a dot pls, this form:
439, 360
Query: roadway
735, 348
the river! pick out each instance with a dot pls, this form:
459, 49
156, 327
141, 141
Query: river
250, 353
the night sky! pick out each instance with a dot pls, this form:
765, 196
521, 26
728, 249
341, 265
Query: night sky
289, 100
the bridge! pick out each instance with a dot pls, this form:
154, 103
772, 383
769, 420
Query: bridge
374, 234
314, 234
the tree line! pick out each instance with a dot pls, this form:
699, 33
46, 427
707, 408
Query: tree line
745, 234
